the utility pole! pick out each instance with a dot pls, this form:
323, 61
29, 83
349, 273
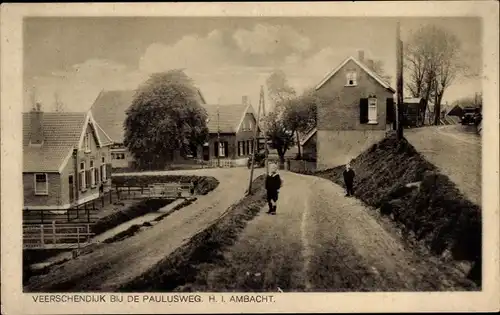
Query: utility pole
255, 133
266, 149
399, 59
218, 138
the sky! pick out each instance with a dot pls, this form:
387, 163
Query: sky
77, 57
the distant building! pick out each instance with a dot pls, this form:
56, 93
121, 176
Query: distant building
235, 123
66, 157
414, 111
359, 114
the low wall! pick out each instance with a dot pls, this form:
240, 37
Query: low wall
339, 147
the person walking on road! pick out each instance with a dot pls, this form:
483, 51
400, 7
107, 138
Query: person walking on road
349, 180
273, 185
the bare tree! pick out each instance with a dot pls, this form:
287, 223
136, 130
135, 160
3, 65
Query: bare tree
377, 66
432, 61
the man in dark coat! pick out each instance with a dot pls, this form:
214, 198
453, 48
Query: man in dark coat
273, 184
349, 180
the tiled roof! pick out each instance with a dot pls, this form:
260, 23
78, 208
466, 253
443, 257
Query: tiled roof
109, 111
61, 132
374, 75
230, 117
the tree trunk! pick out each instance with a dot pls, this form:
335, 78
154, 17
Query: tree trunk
298, 144
437, 110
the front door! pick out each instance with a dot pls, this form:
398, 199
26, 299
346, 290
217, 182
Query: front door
206, 153
71, 189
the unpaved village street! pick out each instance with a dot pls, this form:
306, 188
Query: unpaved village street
322, 241
456, 151
319, 240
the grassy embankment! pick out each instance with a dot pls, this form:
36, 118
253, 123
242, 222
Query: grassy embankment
394, 178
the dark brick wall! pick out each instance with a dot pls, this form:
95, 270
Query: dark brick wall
343, 112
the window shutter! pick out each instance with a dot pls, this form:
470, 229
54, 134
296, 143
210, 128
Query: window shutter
108, 170
87, 178
96, 175
390, 110
363, 110
216, 148
239, 149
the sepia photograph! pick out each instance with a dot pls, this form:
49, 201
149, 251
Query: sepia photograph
171, 156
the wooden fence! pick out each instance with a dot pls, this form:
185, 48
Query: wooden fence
56, 236
301, 166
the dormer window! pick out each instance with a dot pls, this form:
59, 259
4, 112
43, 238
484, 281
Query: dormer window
351, 78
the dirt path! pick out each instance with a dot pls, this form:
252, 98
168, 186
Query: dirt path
456, 152
323, 241
111, 265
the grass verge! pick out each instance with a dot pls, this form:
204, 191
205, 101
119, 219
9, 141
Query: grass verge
116, 218
393, 177
131, 231
187, 263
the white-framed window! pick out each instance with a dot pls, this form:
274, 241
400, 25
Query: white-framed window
351, 78
92, 174
41, 184
250, 146
86, 142
372, 110
241, 148
103, 173
81, 176
222, 149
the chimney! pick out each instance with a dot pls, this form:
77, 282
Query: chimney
37, 125
361, 55
244, 100
369, 63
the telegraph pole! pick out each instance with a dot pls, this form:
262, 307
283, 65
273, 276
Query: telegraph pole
218, 138
255, 133
266, 149
399, 58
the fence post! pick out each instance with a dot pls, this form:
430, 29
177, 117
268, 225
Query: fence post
88, 215
54, 232
41, 216
102, 201
67, 214
42, 236
78, 236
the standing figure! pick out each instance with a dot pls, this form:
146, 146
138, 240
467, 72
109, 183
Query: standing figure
273, 185
349, 180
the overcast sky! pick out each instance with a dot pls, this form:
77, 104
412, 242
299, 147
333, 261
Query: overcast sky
227, 57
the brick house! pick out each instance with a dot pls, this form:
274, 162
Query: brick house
66, 157
236, 124
235, 121
359, 113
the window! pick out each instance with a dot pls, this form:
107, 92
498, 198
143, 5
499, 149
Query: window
81, 177
92, 174
41, 184
103, 173
372, 110
96, 175
86, 142
241, 148
351, 78
103, 160
250, 146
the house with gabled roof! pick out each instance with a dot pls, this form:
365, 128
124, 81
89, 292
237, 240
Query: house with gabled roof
232, 124
66, 158
360, 111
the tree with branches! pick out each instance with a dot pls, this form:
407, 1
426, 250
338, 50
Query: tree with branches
58, 105
165, 117
433, 62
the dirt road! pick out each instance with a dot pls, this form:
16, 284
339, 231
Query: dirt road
111, 265
322, 241
456, 151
